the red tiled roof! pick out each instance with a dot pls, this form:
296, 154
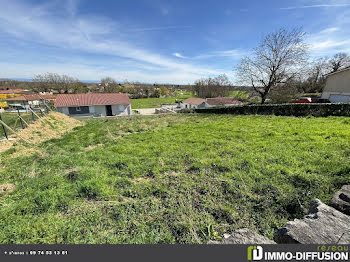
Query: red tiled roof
194, 100
13, 91
91, 99
222, 101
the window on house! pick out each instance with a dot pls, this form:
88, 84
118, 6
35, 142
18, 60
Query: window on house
78, 108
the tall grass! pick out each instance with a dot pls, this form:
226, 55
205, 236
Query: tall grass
172, 179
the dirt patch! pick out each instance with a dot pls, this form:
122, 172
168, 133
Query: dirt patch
51, 126
92, 147
6, 189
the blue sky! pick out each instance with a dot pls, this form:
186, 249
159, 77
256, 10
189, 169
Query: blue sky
156, 41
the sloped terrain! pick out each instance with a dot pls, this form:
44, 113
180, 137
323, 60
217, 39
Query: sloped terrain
171, 179
53, 125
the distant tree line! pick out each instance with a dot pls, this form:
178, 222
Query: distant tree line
64, 84
135, 90
212, 87
52, 82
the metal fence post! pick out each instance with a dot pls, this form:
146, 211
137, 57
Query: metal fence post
20, 118
32, 114
4, 129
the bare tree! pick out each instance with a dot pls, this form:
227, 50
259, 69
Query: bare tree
66, 83
314, 76
79, 87
275, 62
52, 81
109, 85
41, 83
338, 62
212, 87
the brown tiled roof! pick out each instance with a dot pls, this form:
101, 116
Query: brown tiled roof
48, 97
13, 91
222, 101
17, 98
91, 99
26, 98
194, 100
31, 97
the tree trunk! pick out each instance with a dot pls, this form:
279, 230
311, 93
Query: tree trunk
263, 98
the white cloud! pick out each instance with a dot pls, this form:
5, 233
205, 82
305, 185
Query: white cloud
331, 40
158, 28
86, 72
329, 44
234, 53
178, 55
314, 6
94, 34
330, 30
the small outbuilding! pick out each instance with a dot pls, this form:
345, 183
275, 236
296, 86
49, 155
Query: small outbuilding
337, 89
31, 100
195, 102
106, 104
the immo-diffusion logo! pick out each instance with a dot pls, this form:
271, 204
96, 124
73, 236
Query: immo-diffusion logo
332, 253
255, 253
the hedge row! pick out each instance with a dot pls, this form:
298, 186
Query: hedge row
322, 110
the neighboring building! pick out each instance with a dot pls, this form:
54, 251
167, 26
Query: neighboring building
30, 100
10, 93
14, 91
50, 99
337, 89
222, 101
195, 102
114, 104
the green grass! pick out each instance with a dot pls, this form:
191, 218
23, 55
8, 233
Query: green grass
157, 102
237, 94
172, 179
10, 120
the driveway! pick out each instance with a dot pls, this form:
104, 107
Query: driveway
146, 111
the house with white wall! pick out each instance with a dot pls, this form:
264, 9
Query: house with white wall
337, 89
195, 102
105, 104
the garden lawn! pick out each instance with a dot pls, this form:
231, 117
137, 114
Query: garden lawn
172, 179
158, 102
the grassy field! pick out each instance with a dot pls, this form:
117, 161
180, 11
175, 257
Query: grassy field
172, 179
157, 102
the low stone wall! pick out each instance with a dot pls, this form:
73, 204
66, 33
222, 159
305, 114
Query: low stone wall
323, 225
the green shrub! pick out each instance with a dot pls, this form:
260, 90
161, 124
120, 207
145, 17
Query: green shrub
319, 110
